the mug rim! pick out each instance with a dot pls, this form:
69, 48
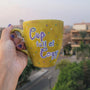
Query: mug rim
43, 20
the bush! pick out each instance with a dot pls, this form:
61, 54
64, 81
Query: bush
63, 63
71, 77
26, 73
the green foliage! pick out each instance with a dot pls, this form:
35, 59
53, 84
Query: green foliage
71, 77
26, 73
88, 63
63, 63
67, 49
88, 89
83, 34
83, 51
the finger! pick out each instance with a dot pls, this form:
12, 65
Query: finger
13, 36
17, 40
20, 46
23, 58
6, 33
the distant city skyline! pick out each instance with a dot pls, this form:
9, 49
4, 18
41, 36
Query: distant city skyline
69, 11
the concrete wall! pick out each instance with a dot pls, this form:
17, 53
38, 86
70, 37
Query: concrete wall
80, 27
88, 27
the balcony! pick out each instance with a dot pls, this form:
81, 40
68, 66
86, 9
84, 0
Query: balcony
75, 45
80, 38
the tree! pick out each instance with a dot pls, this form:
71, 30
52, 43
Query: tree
87, 73
82, 46
83, 51
63, 63
71, 77
83, 35
67, 49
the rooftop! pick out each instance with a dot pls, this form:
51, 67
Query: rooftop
79, 30
83, 23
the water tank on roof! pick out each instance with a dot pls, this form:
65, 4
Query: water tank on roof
21, 21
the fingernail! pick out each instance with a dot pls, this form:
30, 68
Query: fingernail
12, 36
20, 46
9, 25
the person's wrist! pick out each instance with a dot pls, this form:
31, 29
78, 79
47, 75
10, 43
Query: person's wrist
12, 72
2, 76
9, 69
8, 78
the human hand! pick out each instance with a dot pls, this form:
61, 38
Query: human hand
12, 62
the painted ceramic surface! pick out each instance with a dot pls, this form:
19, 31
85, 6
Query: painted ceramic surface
43, 39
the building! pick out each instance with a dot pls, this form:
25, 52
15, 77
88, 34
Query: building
80, 26
20, 26
75, 34
1, 28
67, 28
66, 38
21, 21
67, 35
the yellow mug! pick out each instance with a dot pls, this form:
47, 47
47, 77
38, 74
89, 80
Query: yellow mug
43, 40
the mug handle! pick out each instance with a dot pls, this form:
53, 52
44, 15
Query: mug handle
21, 32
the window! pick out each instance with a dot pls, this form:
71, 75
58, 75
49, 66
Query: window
84, 41
75, 35
76, 42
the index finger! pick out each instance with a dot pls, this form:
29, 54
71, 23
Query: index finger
6, 33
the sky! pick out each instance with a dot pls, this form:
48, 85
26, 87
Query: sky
69, 11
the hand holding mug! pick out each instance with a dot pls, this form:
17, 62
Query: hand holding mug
43, 40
